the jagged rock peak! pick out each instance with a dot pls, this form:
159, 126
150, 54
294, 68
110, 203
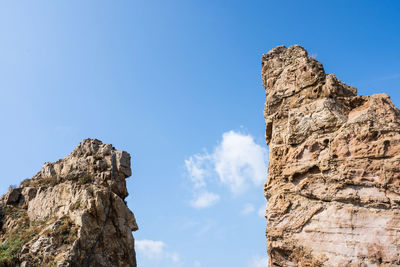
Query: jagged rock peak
55, 218
333, 184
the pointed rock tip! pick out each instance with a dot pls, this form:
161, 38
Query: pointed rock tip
291, 51
90, 146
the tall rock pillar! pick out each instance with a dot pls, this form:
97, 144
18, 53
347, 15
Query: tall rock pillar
334, 168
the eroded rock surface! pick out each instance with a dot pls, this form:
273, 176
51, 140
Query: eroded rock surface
334, 168
54, 218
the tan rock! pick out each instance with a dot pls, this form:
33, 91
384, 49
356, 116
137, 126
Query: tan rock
333, 180
55, 218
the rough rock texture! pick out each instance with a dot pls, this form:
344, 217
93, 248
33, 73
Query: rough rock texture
54, 218
333, 180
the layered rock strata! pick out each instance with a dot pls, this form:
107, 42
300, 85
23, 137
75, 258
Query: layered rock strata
334, 167
55, 218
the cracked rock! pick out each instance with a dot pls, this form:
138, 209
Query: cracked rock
333, 184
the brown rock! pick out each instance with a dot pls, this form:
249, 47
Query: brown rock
333, 185
55, 218
13, 196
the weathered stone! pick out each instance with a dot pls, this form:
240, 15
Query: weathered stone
25, 264
333, 185
13, 196
28, 193
60, 211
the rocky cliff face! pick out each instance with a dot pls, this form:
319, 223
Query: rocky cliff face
55, 218
334, 168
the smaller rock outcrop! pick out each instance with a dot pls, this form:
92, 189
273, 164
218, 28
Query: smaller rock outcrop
58, 217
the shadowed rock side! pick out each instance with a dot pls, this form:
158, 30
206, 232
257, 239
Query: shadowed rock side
333, 180
54, 218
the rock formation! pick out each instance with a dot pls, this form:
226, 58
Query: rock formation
334, 168
55, 218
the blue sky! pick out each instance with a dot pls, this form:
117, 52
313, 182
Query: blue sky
178, 85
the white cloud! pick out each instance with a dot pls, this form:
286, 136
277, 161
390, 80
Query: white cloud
204, 200
154, 251
258, 262
247, 209
261, 211
237, 162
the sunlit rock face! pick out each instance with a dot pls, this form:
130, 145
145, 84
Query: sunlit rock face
55, 218
334, 167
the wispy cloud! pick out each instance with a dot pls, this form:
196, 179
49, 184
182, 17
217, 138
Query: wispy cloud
238, 162
379, 79
204, 200
205, 228
247, 209
258, 262
155, 251
388, 77
198, 168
